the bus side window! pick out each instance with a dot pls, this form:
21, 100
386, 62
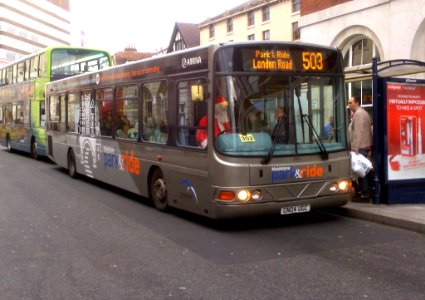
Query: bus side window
154, 101
9, 75
104, 111
62, 113
8, 114
42, 65
54, 111
191, 109
20, 72
127, 112
19, 114
26, 70
73, 112
15, 73
1, 115
33, 68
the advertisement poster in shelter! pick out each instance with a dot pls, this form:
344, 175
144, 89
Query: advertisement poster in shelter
406, 130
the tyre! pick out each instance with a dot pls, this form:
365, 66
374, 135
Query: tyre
158, 189
9, 144
33, 149
72, 169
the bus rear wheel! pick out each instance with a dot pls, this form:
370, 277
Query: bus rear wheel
33, 149
72, 169
158, 188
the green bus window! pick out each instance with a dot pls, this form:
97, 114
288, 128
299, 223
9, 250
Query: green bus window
42, 65
127, 112
14, 74
14, 114
20, 72
8, 114
34, 67
9, 75
19, 114
104, 62
26, 70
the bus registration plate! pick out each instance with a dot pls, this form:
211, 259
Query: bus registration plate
295, 209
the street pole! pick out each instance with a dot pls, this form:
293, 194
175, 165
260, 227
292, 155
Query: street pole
376, 132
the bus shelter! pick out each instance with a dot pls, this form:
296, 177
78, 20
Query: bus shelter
398, 130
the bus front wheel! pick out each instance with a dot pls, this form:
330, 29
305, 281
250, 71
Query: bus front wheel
72, 169
159, 190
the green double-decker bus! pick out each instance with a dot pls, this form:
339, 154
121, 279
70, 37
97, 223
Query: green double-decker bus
22, 92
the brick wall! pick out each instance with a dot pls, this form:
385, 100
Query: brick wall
311, 6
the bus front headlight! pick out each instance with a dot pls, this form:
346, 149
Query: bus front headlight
343, 185
244, 196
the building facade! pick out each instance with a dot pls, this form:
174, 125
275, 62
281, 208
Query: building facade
362, 29
254, 20
27, 26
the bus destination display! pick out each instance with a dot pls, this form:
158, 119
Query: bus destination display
282, 60
279, 59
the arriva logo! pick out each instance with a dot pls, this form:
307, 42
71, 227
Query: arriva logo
123, 162
187, 62
284, 173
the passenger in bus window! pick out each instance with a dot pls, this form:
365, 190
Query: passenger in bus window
133, 133
221, 123
329, 130
255, 122
161, 131
106, 124
280, 132
148, 129
123, 125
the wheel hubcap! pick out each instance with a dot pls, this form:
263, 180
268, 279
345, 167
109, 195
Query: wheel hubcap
160, 190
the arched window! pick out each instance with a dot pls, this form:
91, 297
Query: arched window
360, 53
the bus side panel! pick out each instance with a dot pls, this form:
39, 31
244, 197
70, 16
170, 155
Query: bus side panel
110, 161
19, 137
59, 149
187, 181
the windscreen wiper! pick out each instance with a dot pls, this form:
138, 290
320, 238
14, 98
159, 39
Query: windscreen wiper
323, 153
277, 129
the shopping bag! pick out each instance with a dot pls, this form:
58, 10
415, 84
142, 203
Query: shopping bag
360, 165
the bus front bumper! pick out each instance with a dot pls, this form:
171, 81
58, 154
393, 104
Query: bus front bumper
226, 211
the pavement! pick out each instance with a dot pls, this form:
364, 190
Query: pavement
406, 216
